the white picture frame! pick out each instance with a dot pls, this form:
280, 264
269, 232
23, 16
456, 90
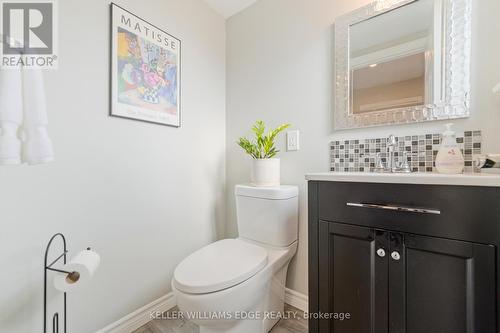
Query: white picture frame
145, 70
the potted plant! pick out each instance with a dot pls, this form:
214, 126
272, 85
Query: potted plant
265, 167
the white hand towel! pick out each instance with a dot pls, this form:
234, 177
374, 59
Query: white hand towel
11, 115
37, 147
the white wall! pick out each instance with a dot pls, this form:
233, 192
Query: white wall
280, 69
143, 195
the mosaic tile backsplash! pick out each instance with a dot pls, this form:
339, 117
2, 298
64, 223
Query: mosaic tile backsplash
420, 150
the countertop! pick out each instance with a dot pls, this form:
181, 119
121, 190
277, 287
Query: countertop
476, 179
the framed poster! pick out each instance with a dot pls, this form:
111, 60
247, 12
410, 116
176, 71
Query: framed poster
145, 70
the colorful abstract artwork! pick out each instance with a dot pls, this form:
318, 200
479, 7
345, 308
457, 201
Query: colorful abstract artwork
145, 70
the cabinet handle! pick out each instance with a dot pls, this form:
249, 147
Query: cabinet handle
395, 255
381, 253
395, 208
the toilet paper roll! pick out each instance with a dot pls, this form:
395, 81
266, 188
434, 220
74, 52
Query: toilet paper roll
84, 264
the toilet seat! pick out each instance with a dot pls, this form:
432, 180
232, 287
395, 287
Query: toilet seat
218, 266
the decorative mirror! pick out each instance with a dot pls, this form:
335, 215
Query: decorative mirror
402, 61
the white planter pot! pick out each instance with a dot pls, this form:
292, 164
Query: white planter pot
265, 172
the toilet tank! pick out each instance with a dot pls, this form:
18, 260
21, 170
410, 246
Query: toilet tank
268, 215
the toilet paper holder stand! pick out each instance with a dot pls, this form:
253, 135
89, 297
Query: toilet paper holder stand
72, 276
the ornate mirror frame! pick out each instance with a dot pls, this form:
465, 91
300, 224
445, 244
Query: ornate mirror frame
456, 58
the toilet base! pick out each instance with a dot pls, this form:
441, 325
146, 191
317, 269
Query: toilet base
273, 302
260, 298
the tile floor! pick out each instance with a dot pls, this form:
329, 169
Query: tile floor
292, 325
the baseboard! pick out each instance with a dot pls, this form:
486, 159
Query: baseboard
141, 316
296, 299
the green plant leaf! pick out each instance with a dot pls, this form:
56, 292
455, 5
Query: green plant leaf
264, 145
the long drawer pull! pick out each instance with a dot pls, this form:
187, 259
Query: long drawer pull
395, 208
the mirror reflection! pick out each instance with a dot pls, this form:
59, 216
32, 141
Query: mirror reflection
394, 58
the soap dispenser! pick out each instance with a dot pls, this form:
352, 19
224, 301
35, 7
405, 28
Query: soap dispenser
449, 159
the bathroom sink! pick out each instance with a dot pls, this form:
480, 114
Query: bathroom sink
471, 179
399, 171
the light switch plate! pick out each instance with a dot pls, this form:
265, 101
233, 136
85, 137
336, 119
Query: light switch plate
292, 140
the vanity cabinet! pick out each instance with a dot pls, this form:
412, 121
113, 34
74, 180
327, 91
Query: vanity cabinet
403, 258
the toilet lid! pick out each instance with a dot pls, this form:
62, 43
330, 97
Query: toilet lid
220, 265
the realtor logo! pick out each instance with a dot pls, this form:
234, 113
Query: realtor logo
28, 33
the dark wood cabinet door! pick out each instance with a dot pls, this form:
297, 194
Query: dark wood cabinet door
353, 278
438, 275
449, 287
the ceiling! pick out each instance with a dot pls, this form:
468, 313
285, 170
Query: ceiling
228, 8
396, 25
398, 70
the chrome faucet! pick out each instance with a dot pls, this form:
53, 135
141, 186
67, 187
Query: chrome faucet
391, 145
391, 165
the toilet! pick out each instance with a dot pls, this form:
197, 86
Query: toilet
238, 285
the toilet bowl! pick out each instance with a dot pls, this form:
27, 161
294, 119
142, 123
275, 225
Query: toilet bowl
238, 285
